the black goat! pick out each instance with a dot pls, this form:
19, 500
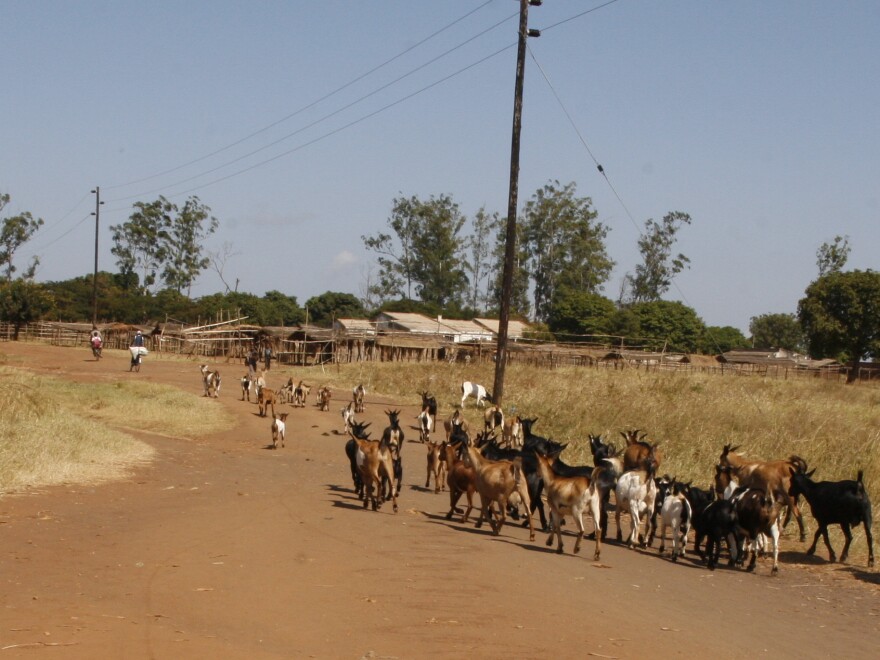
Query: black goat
756, 513
843, 503
714, 520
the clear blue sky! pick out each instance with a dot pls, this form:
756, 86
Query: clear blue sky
759, 119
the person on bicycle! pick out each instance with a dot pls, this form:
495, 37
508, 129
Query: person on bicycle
136, 345
96, 342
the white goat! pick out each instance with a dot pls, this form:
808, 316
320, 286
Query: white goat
475, 390
348, 417
636, 492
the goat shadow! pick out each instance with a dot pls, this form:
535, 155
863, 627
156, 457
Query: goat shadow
863, 574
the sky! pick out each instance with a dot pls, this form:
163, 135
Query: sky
299, 122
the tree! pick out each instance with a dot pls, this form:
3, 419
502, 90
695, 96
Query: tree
576, 313
396, 260
654, 275
15, 231
777, 331
23, 301
438, 269
423, 253
330, 305
477, 261
564, 243
831, 257
840, 316
722, 339
182, 244
136, 243
669, 324
519, 290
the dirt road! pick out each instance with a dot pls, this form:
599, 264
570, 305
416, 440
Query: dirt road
223, 548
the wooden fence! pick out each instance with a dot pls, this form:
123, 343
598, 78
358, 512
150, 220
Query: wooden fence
234, 342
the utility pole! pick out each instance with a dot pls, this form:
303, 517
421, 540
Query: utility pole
97, 214
510, 239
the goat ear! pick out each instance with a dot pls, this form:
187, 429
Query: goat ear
811, 472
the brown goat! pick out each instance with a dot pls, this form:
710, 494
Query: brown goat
436, 466
324, 396
496, 482
374, 462
569, 496
637, 451
265, 398
773, 477
461, 479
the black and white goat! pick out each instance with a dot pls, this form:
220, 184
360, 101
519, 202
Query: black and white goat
676, 513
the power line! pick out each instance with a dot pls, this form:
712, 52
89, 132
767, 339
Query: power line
576, 16
321, 119
300, 110
341, 128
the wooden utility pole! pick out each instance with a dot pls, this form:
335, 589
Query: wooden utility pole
97, 215
510, 239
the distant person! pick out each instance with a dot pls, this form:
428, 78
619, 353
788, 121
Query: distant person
138, 339
267, 356
252, 361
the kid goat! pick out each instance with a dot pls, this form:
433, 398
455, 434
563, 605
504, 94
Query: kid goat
211, 381
278, 428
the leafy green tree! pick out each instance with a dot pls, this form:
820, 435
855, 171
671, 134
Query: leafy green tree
438, 268
565, 244
477, 262
281, 306
396, 251
136, 243
182, 244
15, 231
577, 313
422, 254
23, 301
840, 316
273, 309
720, 339
777, 331
115, 303
669, 323
519, 290
654, 275
831, 257
330, 305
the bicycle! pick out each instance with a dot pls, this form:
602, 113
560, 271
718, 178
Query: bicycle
96, 350
137, 353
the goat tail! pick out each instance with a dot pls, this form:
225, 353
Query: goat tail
859, 478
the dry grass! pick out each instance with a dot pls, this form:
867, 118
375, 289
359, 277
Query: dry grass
836, 428
54, 431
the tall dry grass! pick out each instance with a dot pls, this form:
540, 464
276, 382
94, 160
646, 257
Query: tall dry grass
54, 431
834, 427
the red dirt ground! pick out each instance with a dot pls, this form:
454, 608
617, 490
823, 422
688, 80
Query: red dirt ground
223, 548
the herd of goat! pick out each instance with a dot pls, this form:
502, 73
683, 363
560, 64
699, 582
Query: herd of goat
512, 469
